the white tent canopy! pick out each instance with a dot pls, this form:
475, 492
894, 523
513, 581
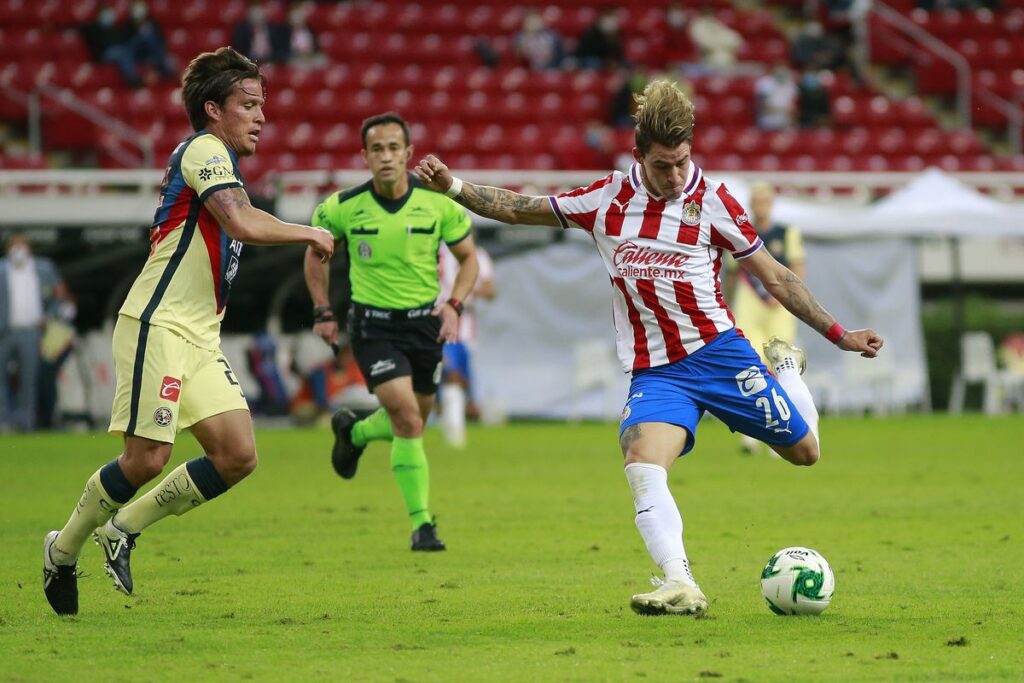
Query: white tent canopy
934, 204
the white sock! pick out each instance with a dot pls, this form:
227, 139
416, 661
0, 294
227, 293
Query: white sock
453, 414
800, 395
658, 520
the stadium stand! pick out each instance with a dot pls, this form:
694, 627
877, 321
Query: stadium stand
422, 59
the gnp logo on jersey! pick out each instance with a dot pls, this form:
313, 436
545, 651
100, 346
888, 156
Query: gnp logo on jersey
163, 416
364, 249
691, 213
751, 381
170, 388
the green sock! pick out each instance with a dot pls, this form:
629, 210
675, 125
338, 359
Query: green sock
373, 427
409, 465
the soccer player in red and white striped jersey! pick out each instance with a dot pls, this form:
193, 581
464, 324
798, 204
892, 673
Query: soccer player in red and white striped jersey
661, 230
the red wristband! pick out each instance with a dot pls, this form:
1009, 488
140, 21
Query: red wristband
835, 333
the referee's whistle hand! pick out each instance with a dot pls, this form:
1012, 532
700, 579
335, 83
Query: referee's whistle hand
449, 323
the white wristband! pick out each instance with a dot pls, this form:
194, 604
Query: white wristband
455, 188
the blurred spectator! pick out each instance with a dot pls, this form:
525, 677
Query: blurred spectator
601, 45
327, 382
625, 84
777, 94
1011, 353
300, 46
145, 40
812, 49
138, 40
258, 39
678, 44
31, 291
262, 360
457, 395
58, 340
815, 105
717, 44
536, 44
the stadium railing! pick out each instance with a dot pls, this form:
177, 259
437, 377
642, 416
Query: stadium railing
127, 197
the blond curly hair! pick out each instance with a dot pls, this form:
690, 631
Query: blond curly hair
664, 114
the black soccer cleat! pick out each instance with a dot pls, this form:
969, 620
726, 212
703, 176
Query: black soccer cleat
425, 538
117, 548
60, 581
345, 455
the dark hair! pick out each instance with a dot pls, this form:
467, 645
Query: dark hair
212, 76
380, 119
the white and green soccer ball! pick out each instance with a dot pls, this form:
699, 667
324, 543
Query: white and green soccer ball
797, 581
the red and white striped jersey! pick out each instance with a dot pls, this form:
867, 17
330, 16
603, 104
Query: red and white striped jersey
664, 259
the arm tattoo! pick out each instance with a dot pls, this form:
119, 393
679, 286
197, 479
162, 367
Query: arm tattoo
230, 199
499, 204
628, 438
799, 301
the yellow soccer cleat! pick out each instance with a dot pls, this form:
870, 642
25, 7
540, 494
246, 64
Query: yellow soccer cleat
670, 597
784, 356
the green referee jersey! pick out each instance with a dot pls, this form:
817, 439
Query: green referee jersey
392, 243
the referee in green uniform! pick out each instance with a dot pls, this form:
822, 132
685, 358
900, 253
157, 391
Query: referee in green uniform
392, 229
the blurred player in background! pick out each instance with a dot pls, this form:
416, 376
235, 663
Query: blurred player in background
661, 230
392, 229
758, 314
457, 395
171, 374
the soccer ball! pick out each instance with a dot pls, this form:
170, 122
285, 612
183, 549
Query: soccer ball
797, 581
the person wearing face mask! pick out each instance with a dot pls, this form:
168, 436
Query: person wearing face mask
145, 41
601, 46
297, 38
257, 38
138, 40
31, 289
537, 45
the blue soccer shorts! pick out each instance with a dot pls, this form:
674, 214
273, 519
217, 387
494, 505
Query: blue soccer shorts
725, 378
456, 359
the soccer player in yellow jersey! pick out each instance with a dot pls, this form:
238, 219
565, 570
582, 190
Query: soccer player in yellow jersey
170, 372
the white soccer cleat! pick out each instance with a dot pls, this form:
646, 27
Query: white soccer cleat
784, 356
670, 597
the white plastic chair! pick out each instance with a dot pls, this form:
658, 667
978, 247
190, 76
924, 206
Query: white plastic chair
978, 366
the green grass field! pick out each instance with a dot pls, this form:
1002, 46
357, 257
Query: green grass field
300, 576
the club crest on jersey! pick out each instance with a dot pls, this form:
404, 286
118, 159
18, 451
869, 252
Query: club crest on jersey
691, 213
364, 249
170, 388
162, 417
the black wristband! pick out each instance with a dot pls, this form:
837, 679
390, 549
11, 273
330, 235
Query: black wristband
323, 314
456, 304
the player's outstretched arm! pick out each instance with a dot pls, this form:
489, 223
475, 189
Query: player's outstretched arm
790, 291
244, 222
491, 202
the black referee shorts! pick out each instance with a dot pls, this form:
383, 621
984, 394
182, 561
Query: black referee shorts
390, 343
